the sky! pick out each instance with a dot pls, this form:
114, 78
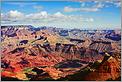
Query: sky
105, 14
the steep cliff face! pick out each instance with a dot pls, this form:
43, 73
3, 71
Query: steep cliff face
45, 48
101, 70
108, 69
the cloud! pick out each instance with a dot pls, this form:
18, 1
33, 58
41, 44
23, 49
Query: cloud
38, 7
118, 4
70, 9
58, 14
12, 16
15, 14
89, 20
44, 18
1, 14
83, 4
97, 6
93, 8
21, 4
40, 15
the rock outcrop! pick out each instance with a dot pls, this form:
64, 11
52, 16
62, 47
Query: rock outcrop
109, 68
43, 48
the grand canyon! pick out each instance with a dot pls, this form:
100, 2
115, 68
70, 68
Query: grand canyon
44, 53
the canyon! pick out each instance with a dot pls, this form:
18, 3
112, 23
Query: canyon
50, 53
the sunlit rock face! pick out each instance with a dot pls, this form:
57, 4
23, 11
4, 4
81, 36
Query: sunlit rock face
109, 69
58, 53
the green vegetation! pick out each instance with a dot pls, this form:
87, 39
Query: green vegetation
29, 70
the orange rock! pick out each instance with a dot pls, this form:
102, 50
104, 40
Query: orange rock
53, 72
109, 69
8, 74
